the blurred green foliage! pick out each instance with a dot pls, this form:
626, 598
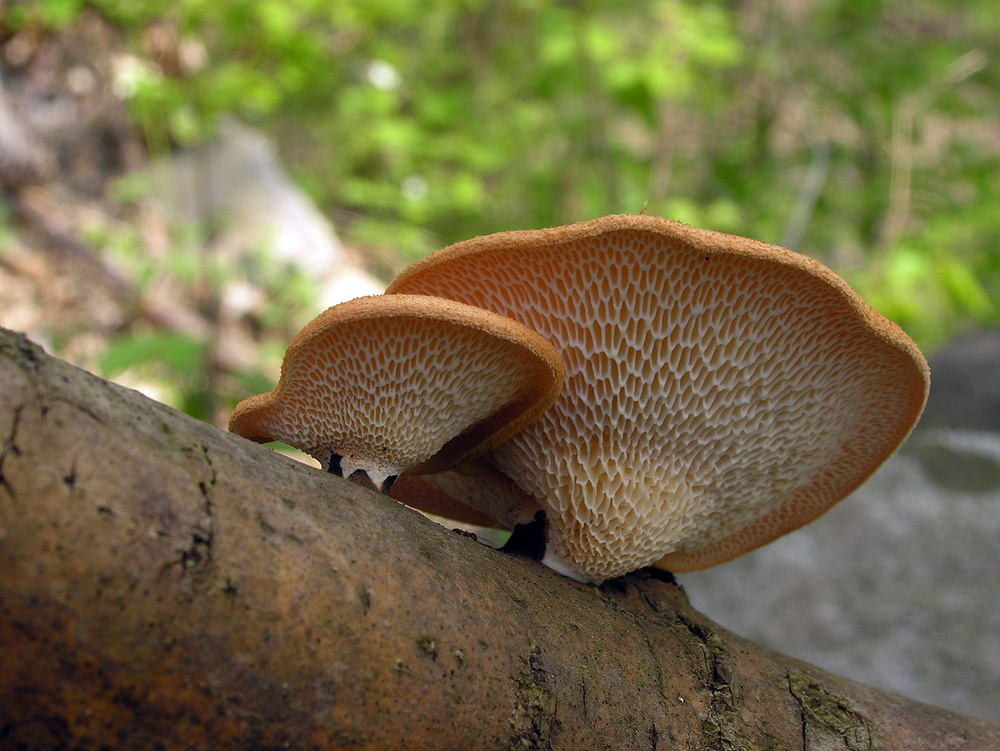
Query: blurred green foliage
865, 133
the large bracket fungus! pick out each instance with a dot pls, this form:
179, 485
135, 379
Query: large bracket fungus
720, 392
386, 384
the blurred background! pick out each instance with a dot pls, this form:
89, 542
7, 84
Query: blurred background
186, 183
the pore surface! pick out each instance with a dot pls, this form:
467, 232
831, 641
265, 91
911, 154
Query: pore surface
705, 387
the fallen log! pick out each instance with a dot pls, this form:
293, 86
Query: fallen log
166, 584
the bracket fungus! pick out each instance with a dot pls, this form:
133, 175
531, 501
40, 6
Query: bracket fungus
386, 384
720, 392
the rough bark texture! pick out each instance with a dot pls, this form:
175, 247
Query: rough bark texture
165, 584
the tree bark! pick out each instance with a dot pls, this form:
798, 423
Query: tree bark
166, 584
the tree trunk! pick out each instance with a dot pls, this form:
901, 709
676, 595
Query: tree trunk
166, 584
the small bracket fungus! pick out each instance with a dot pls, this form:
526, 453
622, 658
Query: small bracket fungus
382, 385
720, 392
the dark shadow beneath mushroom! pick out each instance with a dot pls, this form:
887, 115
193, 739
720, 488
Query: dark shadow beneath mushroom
528, 540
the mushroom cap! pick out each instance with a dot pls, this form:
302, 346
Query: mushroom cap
720, 392
401, 382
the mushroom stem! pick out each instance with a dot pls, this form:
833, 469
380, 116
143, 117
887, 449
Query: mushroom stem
365, 480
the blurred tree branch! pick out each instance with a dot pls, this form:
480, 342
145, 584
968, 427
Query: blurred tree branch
904, 136
39, 210
164, 582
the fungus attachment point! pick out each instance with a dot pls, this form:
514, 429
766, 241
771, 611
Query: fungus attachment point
473, 492
382, 385
720, 392
528, 540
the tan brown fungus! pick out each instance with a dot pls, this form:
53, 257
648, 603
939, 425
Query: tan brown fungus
720, 392
386, 384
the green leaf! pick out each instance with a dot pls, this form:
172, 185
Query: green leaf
965, 289
181, 353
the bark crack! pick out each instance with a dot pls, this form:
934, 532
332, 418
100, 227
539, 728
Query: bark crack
719, 726
199, 551
534, 720
29, 357
92, 414
10, 448
828, 719
802, 712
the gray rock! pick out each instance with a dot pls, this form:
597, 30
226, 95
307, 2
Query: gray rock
898, 586
965, 384
236, 187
